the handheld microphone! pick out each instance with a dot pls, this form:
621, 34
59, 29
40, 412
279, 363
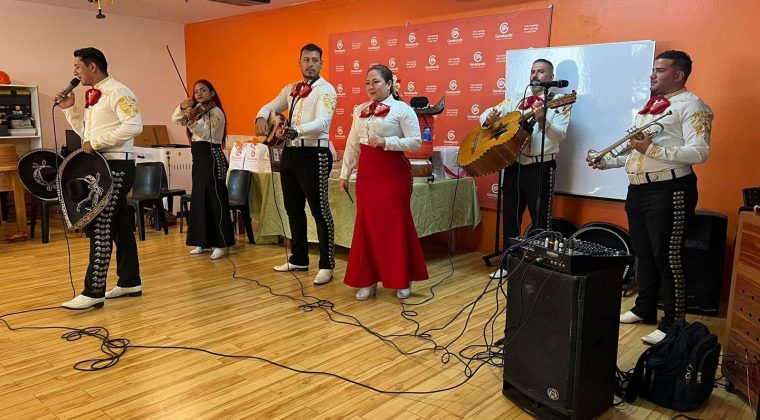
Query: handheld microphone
554, 83
72, 84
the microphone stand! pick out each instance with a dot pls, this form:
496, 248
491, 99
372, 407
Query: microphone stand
541, 160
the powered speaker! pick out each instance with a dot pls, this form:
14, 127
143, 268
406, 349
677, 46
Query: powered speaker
561, 337
704, 249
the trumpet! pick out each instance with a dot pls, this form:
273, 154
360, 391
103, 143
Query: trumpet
653, 128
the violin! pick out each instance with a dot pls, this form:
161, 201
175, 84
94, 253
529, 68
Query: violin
197, 111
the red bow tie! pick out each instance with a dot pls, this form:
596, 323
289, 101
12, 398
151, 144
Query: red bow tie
301, 90
529, 101
656, 105
91, 97
377, 109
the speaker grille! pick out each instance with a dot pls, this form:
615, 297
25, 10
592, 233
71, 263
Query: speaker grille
561, 337
538, 362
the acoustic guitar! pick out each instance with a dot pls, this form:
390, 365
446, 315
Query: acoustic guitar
276, 123
487, 150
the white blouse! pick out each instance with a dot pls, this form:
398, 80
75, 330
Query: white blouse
209, 128
400, 128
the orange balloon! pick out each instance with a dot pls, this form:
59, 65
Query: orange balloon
4, 78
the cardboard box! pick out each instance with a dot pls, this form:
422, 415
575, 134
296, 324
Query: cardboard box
152, 135
445, 162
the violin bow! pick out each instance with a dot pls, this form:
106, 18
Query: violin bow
184, 87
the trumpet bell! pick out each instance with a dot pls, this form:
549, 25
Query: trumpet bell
592, 156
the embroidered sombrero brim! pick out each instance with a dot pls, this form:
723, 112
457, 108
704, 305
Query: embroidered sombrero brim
431, 110
37, 170
84, 188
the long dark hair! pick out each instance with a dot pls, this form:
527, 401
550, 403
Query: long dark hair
217, 100
387, 76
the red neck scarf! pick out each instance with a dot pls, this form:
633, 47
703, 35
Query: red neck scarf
91, 97
301, 90
656, 105
529, 101
377, 109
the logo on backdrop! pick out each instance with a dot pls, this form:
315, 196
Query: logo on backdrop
451, 137
356, 68
373, 45
339, 47
410, 88
412, 38
455, 37
503, 32
501, 86
453, 88
477, 60
392, 64
432, 63
339, 89
339, 131
474, 113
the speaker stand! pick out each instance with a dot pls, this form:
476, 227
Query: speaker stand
499, 237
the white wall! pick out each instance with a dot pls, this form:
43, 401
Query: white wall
38, 45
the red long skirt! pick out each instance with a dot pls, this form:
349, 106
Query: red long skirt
385, 248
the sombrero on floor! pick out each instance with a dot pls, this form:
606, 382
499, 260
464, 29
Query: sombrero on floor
37, 170
84, 187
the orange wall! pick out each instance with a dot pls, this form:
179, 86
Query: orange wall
249, 58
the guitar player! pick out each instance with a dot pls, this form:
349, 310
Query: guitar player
524, 179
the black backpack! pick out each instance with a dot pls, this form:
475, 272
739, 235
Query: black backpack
679, 371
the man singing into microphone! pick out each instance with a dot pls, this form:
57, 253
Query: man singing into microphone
526, 178
108, 124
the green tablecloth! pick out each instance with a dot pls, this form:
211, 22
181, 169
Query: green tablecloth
431, 207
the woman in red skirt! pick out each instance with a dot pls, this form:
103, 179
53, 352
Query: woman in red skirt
385, 248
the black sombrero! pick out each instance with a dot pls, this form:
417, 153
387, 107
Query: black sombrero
85, 185
421, 106
37, 170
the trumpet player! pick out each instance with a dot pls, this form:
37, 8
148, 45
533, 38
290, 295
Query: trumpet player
662, 194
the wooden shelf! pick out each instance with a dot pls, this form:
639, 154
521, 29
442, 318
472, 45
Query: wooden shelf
34, 141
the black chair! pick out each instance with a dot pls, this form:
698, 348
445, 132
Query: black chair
166, 192
146, 191
45, 207
239, 188
4, 205
751, 196
184, 211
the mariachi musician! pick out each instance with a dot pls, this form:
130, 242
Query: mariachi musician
523, 180
662, 194
108, 124
210, 226
306, 160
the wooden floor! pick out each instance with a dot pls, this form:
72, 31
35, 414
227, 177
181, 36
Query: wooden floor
193, 301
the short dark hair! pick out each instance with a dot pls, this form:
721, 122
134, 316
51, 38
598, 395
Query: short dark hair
681, 61
311, 47
545, 61
387, 76
93, 55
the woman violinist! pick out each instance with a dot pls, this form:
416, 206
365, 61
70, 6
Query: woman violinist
210, 226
